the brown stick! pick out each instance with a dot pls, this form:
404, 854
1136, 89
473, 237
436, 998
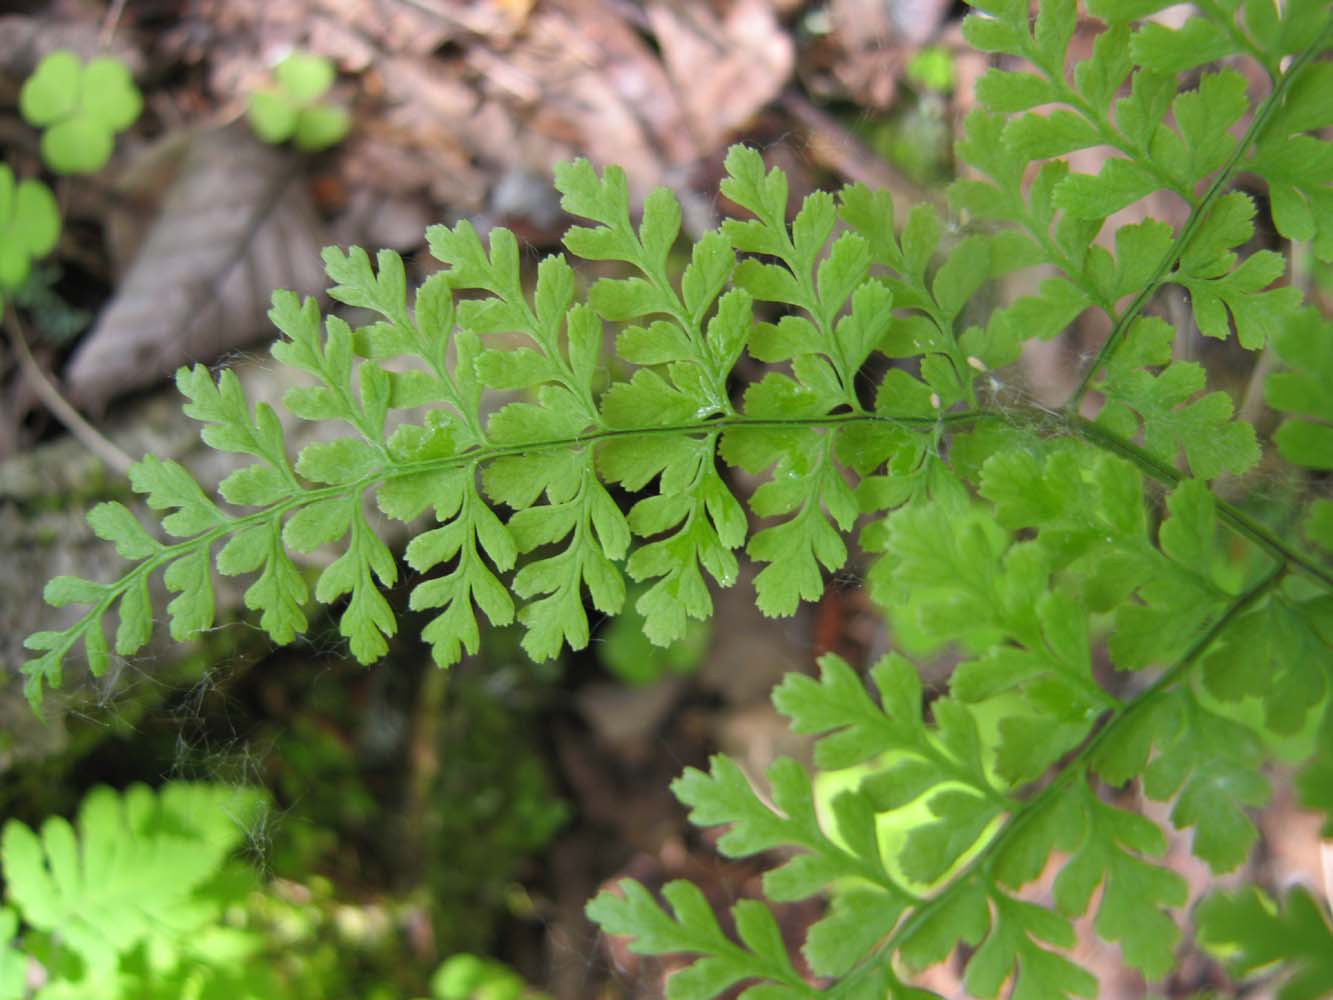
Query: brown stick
88, 435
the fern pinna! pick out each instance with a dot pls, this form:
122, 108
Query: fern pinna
1037, 543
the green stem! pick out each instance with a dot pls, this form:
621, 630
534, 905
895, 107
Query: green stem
168, 553
1038, 420
1231, 515
1041, 420
1076, 769
1220, 183
1113, 138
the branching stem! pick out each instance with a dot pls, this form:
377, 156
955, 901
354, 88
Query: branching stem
1075, 770
1220, 184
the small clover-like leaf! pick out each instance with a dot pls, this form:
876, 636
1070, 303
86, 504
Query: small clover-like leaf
29, 226
294, 108
81, 107
304, 76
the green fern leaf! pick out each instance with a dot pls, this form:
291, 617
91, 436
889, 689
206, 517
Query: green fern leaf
1181, 594
1011, 541
130, 871
1163, 405
692, 928
13, 963
1175, 50
1306, 344
962, 916
1134, 891
724, 796
280, 592
1211, 766
1295, 165
1315, 781
1274, 653
1249, 932
1012, 943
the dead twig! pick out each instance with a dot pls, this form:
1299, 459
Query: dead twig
109, 23
844, 152
88, 435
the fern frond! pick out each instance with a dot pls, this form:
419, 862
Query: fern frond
130, 870
1022, 538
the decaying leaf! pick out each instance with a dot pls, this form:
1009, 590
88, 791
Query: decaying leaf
724, 69
236, 223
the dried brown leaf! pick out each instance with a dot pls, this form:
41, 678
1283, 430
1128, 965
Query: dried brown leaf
236, 224
724, 69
